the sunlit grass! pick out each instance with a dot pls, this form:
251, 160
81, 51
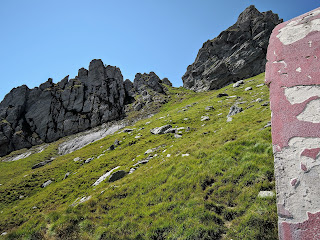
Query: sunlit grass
209, 194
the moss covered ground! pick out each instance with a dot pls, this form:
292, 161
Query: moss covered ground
204, 185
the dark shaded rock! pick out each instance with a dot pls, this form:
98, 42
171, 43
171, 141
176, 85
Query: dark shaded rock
129, 91
30, 117
127, 130
166, 81
41, 164
111, 148
237, 53
222, 95
117, 175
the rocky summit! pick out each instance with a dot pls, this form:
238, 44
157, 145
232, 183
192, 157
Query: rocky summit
46, 113
237, 53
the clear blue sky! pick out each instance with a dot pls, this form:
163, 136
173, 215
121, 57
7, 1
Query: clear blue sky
41, 39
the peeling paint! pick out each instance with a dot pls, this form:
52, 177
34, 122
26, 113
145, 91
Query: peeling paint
295, 105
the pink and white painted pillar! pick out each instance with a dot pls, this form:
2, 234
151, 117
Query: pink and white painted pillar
293, 76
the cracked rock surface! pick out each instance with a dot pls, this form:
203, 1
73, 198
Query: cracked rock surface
237, 53
51, 111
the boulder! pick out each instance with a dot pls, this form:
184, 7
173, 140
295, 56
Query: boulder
222, 95
47, 183
234, 110
160, 130
41, 164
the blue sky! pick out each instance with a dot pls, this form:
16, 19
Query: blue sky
41, 39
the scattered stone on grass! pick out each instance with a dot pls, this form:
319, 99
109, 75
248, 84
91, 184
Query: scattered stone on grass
47, 183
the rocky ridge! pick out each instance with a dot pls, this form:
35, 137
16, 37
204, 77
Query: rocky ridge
237, 53
30, 117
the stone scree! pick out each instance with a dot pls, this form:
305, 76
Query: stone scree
293, 75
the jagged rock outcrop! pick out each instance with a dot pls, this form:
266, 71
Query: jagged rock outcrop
144, 81
237, 53
44, 114
146, 89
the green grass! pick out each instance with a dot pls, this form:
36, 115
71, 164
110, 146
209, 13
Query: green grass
210, 194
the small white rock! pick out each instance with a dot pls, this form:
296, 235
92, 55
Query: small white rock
168, 155
185, 155
265, 194
148, 151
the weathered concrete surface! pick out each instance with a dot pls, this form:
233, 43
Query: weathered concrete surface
293, 75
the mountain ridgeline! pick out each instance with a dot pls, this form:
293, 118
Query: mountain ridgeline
46, 113
30, 117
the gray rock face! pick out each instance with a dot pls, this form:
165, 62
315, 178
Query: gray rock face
32, 116
237, 53
146, 81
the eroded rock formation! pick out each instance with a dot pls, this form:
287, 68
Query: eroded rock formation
51, 111
237, 53
46, 113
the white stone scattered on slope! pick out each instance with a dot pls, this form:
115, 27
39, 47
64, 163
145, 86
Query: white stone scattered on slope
148, 151
185, 155
205, 118
104, 176
168, 155
265, 194
76, 159
47, 183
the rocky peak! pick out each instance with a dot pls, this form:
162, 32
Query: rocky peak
32, 116
247, 16
46, 113
237, 53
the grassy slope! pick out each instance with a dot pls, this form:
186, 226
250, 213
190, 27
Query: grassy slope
210, 194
